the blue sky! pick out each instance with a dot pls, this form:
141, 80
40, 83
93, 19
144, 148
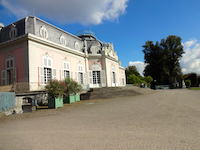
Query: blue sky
126, 23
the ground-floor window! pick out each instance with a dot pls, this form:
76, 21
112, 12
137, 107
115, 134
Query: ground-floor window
123, 83
80, 77
96, 77
66, 74
9, 77
113, 77
47, 74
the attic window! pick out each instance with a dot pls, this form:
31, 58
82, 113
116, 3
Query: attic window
62, 40
13, 32
77, 46
43, 32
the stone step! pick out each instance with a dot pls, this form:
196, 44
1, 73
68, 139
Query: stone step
108, 92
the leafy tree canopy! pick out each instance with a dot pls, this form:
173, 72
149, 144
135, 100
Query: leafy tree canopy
132, 70
162, 59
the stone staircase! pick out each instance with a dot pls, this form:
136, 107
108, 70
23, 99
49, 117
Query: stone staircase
112, 92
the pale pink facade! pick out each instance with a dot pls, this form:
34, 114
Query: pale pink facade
41, 55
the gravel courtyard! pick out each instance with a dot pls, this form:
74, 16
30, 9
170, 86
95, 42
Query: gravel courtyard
161, 120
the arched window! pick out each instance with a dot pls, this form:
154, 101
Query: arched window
13, 31
9, 76
113, 75
123, 80
65, 72
77, 46
43, 32
63, 40
80, 73
96, 76
46, 71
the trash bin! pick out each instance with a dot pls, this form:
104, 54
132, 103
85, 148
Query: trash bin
34, 102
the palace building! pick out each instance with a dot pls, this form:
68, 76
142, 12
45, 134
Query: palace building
34, 51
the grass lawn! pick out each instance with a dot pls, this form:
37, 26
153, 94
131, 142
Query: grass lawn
195, 88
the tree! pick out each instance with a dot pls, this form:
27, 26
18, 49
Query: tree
162, 59
131, 70
133, 79
188, 83
154, 59
192, 77
148, 79
173, 50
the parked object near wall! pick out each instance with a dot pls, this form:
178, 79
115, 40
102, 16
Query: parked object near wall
8, 103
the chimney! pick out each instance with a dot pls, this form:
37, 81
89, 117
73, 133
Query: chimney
1, 25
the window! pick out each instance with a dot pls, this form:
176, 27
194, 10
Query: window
43, 32
80, 77
123, 80
113, 77
96, 77
9, 63
47, 74
13, 32
65, 72
9, 76
80, 73
77, 46
46, 71
63, 40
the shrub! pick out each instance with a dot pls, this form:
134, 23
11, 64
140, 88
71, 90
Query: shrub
72, 87
55, 88
148, 79
188, 83
133, 79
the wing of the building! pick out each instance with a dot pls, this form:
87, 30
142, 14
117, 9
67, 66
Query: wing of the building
34, 51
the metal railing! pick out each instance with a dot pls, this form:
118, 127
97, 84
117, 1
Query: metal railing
22, 87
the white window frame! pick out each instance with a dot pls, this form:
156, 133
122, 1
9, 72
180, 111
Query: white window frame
96, 77
80, 70
66, 67
63, 40
13, 32
43, 32
12, 69
47, 62
123, 80
95, 66
113, 73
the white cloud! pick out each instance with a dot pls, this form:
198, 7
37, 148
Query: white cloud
190, 62
190, 43
69, 11
139, 65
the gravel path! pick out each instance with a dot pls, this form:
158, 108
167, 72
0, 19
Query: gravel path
162, 120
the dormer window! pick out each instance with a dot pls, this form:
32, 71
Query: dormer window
63, 40
77, 46
13, 32
43, 32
